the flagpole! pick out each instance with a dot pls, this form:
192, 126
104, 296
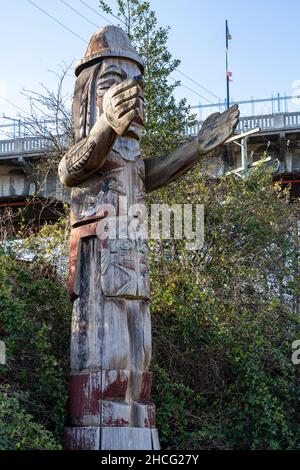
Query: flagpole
227, 70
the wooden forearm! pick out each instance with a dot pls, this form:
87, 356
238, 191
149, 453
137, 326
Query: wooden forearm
161, 171
88, 155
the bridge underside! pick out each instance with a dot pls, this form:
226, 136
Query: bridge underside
41, 196
29, 194
31, 212
282, 146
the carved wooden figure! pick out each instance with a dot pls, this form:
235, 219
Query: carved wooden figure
110, 383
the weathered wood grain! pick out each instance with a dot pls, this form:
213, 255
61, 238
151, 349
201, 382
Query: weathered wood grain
127, 439
85, 395
82, 438
110, 385
109, 278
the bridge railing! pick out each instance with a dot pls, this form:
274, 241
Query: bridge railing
265, 122
7, 147
25, 145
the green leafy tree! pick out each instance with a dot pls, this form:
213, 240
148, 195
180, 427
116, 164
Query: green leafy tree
225, 318
165, 119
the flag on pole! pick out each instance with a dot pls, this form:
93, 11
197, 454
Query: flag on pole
229, 76
228, 73
228, 35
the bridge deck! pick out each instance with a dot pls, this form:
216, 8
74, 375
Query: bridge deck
269, 123
279, 136
25, 146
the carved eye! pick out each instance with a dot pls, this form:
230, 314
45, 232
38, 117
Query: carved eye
108, 81
103, 84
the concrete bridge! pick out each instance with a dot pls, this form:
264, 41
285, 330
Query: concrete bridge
269, 123
21, 153
23, 186
279, 139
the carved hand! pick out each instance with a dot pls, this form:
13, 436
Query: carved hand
217, 128
122, 104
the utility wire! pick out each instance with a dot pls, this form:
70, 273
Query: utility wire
106, 19
199, 84
191, 89
68, 29
184, 86
179, 71
14, 105
80, 14
86, 42
57, 21
95, 11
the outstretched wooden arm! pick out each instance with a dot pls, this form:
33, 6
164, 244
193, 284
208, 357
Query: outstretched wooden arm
162, 171
216, 129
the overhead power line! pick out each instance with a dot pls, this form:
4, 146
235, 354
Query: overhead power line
184, 86
56, 21
179, 71
80, 14
199, 84
95, 11
191, 89
14, 105
86, 42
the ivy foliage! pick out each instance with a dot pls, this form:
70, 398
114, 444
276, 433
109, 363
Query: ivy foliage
35, 326
224, 320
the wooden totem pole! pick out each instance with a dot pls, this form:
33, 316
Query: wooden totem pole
110, 384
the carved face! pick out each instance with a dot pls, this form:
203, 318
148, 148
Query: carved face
114, 70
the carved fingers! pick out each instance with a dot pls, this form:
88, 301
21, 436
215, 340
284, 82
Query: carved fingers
122, 104
217, 128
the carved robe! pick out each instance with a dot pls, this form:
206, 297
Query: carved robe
110, 383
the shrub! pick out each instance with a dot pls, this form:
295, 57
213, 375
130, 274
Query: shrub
18, 430
35, 325
224, 319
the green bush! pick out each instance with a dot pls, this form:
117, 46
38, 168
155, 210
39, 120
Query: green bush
18, 430
224, 319
35, 325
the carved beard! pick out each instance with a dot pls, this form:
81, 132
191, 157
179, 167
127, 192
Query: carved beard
135, 131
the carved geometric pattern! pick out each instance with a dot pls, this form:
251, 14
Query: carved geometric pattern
124, 269
79, 155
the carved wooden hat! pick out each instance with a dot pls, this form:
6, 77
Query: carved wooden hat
109, 41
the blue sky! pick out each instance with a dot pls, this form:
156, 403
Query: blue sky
263, 51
